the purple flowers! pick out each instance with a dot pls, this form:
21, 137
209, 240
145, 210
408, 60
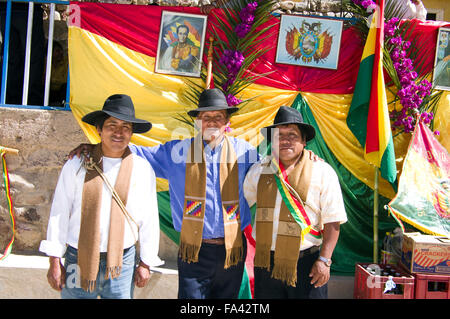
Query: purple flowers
247, 16
233, 59
411, 94
366, 4
232, 100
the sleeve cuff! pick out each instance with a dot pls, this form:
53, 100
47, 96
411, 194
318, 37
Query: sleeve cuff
150, 259
334, 219
52, 249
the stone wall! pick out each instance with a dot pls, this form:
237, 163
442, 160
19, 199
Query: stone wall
43, 138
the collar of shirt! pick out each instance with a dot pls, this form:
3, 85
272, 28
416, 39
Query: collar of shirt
212, 153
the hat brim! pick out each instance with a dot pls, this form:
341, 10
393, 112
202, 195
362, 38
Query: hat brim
306, 129
139, 126
230, 110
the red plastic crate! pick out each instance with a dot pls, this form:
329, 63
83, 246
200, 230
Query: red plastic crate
371, 286
432, 286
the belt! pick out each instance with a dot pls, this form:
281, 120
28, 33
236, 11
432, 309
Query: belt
103, 255
308, 251
214, 241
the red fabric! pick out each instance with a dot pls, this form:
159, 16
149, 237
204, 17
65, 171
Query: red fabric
134, 27
425, 34
376, 103
307, 79
137, 28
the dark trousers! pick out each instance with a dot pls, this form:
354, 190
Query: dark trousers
267, 287
207, 279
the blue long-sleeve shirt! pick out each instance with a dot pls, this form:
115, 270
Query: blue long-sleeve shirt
169, 161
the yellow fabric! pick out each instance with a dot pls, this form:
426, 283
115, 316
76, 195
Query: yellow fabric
159, 99
369, 48
442, 120
330, 112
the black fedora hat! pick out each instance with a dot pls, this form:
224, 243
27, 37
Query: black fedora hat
119, 106
288, 115
212, 100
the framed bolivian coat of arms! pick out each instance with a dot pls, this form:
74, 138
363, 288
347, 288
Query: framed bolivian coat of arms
309, 41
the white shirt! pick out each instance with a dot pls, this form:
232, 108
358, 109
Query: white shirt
65, 214
324, 203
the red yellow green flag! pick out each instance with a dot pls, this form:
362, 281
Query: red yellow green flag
368, 116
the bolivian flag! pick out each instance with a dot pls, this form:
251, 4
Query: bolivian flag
368, 117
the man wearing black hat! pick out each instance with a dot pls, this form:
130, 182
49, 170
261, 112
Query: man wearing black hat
205, 176
95, 225
298, 215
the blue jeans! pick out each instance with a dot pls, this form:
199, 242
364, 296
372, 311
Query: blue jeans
121, 287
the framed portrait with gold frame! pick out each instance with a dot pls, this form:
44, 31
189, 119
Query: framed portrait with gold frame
180, 44
441, 72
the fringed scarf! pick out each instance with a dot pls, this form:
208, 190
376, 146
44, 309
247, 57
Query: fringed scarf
89, 239
194, 203
290, 233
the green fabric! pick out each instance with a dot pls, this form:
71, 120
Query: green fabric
359, 108
355, 242
245, 291
358, 119
165, 217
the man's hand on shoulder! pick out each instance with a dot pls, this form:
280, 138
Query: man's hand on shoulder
82, 148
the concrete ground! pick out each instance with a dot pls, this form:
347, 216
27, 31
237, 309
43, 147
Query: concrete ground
24, 277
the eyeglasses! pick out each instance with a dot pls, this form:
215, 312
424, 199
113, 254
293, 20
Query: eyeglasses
216, 119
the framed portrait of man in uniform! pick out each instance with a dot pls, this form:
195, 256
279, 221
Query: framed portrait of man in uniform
441, 73
180, 44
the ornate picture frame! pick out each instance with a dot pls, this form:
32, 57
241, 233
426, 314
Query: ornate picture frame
441, 71
309, 41
180, 43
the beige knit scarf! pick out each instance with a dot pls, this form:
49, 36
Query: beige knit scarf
288, 240
89, 239
194, 203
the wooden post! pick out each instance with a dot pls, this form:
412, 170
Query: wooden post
209, 67
375, 218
